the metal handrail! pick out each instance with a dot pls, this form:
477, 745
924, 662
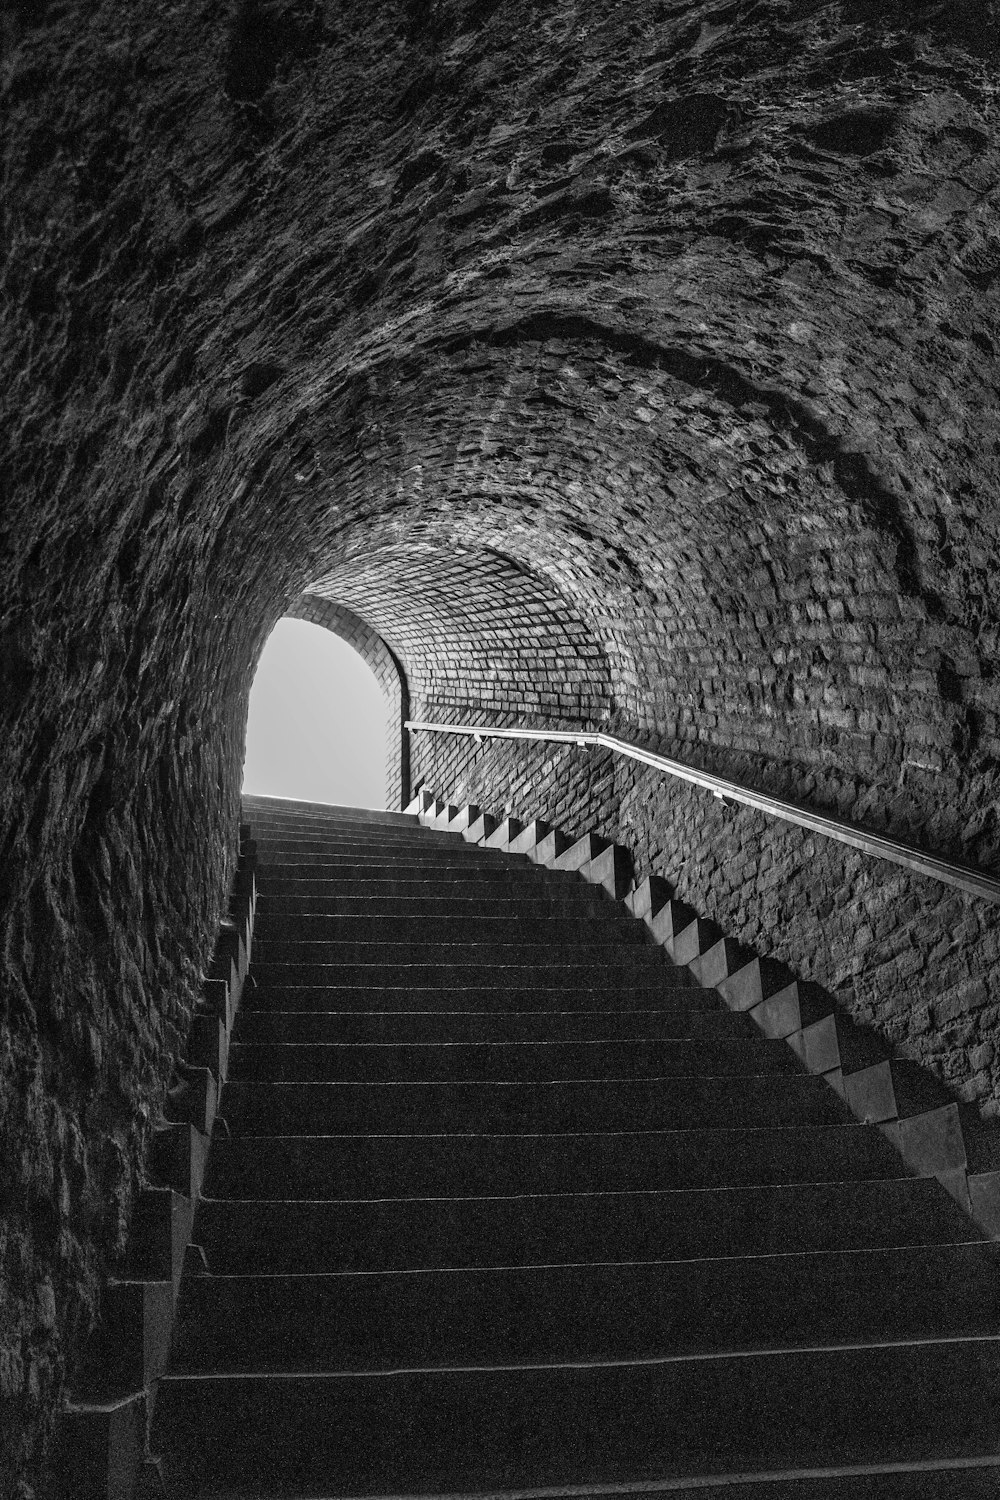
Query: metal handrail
948, 871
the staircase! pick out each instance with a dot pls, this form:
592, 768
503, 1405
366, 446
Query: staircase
504, 1203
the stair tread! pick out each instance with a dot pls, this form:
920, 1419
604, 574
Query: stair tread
460, 1062
559, 1228
604, 1422
425, 1164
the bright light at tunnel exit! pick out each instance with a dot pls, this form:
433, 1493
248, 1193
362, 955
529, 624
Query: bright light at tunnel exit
316, 729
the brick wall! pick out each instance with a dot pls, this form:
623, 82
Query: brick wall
916, 960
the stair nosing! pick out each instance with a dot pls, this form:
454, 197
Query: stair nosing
645, 1193
645, 1362
517, 1268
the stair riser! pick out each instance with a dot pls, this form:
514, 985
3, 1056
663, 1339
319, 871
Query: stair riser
282, 818
350, 881
609, 948
522, 1062
430, 862
334, 1167
283, 933
449, 1432
287, 810
547, 969
300, 1027
415, 1234
462, 997
272, 910
420, 844
360, 1109
977, 1480
584, 1313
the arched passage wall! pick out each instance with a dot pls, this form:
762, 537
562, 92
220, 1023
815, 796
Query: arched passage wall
375, 654
621, 364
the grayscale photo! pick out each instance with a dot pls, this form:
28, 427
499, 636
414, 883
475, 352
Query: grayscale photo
499, 750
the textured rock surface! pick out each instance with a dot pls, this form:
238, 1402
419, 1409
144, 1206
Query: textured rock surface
617, 363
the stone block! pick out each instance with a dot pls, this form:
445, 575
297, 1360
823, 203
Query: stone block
870, 1095
549, 849
194, 1097
133, 1337
464, 818
581, 853
530, 836
669, 921
480, 829
693, 940
611, 869
158, 1236
650, 896
717, 962
933, 1141
429, 809
208, 1045
752, 983
503, 834
178, 1152
217, 1000
835, 1042
792, 1009
984, 1195
100, 1449
892, 1089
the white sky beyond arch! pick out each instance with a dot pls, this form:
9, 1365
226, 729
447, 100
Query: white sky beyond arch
316, 729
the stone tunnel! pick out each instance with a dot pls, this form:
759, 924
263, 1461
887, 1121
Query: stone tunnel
613, 366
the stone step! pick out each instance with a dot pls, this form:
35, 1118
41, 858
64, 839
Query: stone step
621, 944
348, 880
457, 856
330, 817
579, 904
420, 843
544, 996
398, 1166
397, 927
492, 1026
284, 811
433, 1061
596, 1104
270, 1236
424, 966
475, 1430
556, 1314
936, 1479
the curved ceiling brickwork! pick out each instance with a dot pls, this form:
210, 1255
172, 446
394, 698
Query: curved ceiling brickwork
477, 634
647, 350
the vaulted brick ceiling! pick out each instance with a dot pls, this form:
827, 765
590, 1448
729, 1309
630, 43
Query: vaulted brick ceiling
682, 314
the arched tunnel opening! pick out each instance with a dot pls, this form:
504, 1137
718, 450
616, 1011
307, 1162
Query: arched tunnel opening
584, 367
316, 725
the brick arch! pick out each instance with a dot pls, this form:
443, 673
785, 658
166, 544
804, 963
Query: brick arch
482, 639
388, 673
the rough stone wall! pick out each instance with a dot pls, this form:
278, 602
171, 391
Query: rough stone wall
629, 362
375, 654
